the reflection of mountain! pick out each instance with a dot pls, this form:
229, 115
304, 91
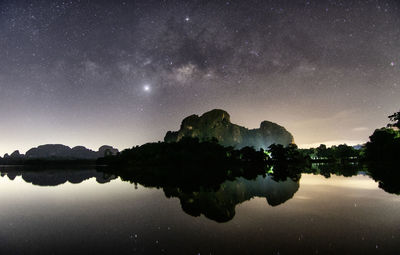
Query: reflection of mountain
56, 177
220, 205
215, 197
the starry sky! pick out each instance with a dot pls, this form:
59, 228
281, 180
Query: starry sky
125, 72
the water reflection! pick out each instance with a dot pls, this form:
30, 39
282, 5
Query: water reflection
311, 212
216, 199
220, 205
54, 177
387, 175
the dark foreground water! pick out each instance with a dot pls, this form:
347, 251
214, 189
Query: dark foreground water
87, 212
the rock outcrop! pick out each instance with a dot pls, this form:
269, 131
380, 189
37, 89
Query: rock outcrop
216, 124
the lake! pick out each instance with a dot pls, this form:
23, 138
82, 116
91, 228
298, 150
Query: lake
63, 211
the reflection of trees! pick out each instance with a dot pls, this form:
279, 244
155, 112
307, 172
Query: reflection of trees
387, 176
281, 172
327, 170
55, 177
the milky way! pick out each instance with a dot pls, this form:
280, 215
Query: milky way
125, 72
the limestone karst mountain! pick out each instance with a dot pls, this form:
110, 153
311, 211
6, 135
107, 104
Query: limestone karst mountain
16, 155
59, 151
216, 124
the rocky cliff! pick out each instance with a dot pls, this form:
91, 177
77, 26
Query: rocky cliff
216, 123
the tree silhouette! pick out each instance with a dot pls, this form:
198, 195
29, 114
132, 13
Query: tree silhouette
384, 144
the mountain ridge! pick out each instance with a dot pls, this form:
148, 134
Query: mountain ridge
61, 152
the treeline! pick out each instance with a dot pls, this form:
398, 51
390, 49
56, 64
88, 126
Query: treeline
186, 164
383, 146
292, 154
338, 153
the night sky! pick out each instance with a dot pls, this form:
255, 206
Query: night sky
125, 72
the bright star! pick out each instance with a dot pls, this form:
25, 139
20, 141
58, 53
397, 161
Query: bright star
187, 19
146, 88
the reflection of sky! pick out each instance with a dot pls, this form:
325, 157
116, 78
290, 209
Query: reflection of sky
89, 190
355, 182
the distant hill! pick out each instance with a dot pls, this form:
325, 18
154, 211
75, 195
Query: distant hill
358, 146
216, 123
59, 152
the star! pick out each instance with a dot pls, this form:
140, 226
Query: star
187, 19
146, 88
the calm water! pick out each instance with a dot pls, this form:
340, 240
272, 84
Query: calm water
85, 211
